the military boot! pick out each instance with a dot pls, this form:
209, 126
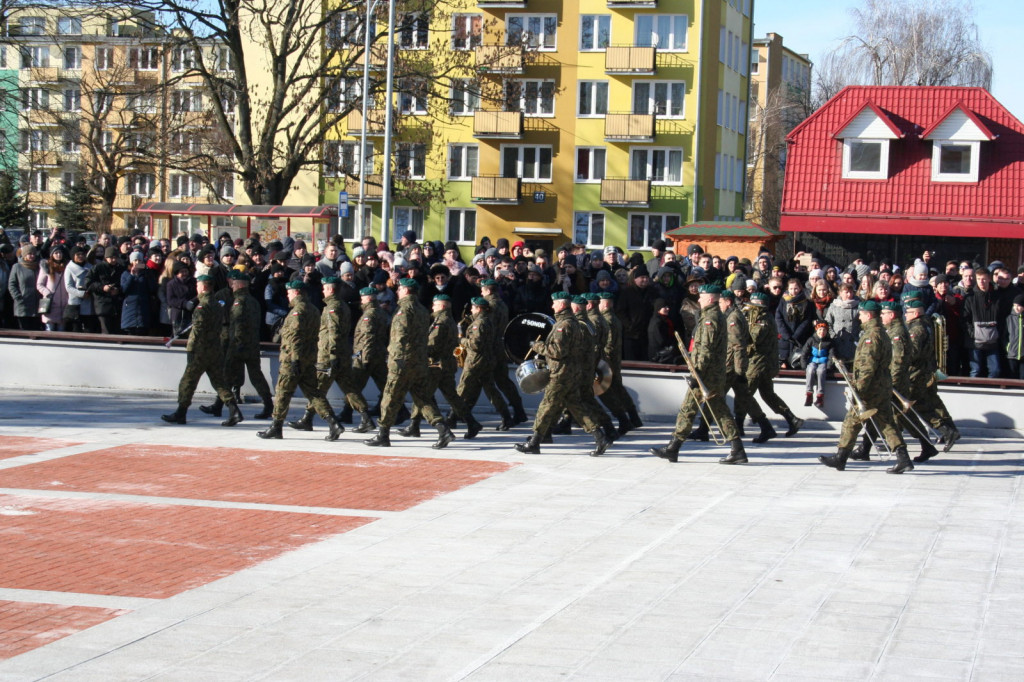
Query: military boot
336, 429
625, 425
303, 423
412, 430
767, 430
950, 435
836, 461
234, 416
519, 415
794, 423
563, 427
610, 433
444, 436
737, 455
473, 427
531, 446
345, 416
862, 452
601, 443
927, 451
741, 417
701, 433
506, 421
176, 417
634, 418
403, 414
451, 419
670, 451
547, 439
365, 423
268, 409
381, 440
213, 410
903, 462
273, 431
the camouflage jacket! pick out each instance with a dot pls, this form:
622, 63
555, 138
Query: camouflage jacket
588, 353
739, 340
763, 351
442, 340
207, 323
409, 327
922, 359
371, 336
299, 333
613, 346
710, 347
245, 319
899, 365
332, 343
478, 341
871, 378
600, 326
499, 318
561, 348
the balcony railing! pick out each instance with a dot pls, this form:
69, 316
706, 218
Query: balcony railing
42, 198
488, 189
375, 119
378, 56
629, 127
632, 4
40, 158
499, 59
373, 188
625, 192
502, 125
43, 117
629, 59
44, 74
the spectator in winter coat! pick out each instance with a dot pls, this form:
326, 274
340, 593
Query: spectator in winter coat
794, 318
22, 287
661, 339
635, 306
1015, 338
981, 326
79, 314
181, 296
51, 284
139, 286
817, 355
844, 323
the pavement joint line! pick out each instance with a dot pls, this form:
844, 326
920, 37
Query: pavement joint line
47, 455
187, 502
100, 601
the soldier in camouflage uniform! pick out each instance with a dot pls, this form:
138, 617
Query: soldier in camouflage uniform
872, 383
242, 346
611, 400
579, 310
508, 388
737, 363
924, 387
204, 355
710, 349
763, 367
478, 365
371, 357
298, 359
441, 367
568, 352
407, 369
613, 354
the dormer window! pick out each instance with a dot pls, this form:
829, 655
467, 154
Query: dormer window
955, 161
866, 136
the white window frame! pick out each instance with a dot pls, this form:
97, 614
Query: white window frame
546, 40
69, 26
467, 168
73, 99
345, 29
346, 159
183, 59
544, 104
408, 218
465, 96
34, 141
599, 24
521, 153
650, 155
38, 181
461, 234
35, 99
411, 159
141, 184
38, 220
343, 92
103, 58
31, 26
417, 26
595, 96
676, 34
881, 174
183, 185
598, 164
70, 179
35, 56
971, 176
186, 101
467, 31
71, 142
144, 58
668, 104
412, 100
589, 220
664, 218
72, 58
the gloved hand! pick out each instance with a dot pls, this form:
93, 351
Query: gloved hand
538, 347
190, 305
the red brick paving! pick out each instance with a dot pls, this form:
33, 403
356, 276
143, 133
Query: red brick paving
239, 475
16, 446
143, 550
25, 626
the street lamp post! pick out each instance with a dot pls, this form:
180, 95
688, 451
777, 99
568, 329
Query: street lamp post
388, 114
367, 57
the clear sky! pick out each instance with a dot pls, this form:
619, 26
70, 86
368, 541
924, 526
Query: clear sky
814, 27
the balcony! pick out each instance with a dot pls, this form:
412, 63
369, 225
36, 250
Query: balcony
44, 74
38, 159
494, 4
128, 202
629, 127
489, 189
378, 56
623, 192
632, 4
629, 59
498, 125
375, 119
36, 199
43, 117
374, 188
499, 59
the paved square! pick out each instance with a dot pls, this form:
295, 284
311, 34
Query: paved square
16, 446
25, 626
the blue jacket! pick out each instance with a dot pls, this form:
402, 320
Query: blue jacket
138, 291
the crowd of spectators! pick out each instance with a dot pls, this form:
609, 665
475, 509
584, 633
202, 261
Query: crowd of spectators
132, 285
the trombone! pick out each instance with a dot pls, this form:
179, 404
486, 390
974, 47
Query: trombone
863, 415
706, 413
907, 411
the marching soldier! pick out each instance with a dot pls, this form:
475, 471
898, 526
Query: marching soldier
924, 387
872, 383
762, 367
567, 350
204, 355
613, 354
710, 349
478, 366
508, 388
371, 358
298, 359
242, 347
737, 364
407, 369
441, 366
613, 400
579, 310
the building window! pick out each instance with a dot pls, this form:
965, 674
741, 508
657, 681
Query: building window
31, 26
144, 58
72, 58
186, 100
865, 159
465, 96
71, 179
595, 32
72, 141
73, 99
183, 59
660, 165
342, 158
463, 161
141, 184
183, 185
412, 160
35, 98
104, 58
531, 163
663, 98
588, 228
536, 31
35, 57
345, 30
461, 224
955, 161
408, 218
36, 181
467, 30
414, 31
225, 59
590, 164
412, 100
532, 97
663, 31
37, 220
142, 104
646, 228
593, 98
343, 93
34, 141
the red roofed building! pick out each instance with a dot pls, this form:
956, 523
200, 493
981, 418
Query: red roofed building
894, 170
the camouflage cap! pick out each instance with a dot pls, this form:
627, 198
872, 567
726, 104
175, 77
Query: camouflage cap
561, 296
713, 289
367, 291
444, 298
330, 279
870, 306
480, 302
408, 283
296, 284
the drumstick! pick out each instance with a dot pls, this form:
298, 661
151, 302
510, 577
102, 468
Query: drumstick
527, 356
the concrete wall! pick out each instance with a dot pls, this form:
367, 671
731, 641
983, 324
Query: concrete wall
66, 366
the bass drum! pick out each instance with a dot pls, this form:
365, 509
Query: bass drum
522, 331
532, 377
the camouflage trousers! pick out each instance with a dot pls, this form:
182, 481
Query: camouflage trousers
342, 377
883, 418
413, 380
443, 379
568, 393
292, 376
764, 385
235, 367
743, 402
930, 406
690, 408
505, 384
198, 364
361, 373
475, 379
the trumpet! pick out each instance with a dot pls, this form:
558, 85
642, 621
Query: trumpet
706, 413
907, 410
459, 351
863, 415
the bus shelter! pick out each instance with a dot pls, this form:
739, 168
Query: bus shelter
310, 223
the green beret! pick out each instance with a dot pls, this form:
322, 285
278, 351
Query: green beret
561, 296
239, 275
488, 283
408, 283
870, 306
711, 289
894, 306
591, 297
367, 291
331, 279
606, 295
910, 296
579, 300
443, 297
296, 284
759, 298
728, 293
204, 278
913, 303
480, 302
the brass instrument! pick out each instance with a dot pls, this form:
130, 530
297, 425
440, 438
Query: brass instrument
941, 339
907, 406
706, 413
863, 415
460, 351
